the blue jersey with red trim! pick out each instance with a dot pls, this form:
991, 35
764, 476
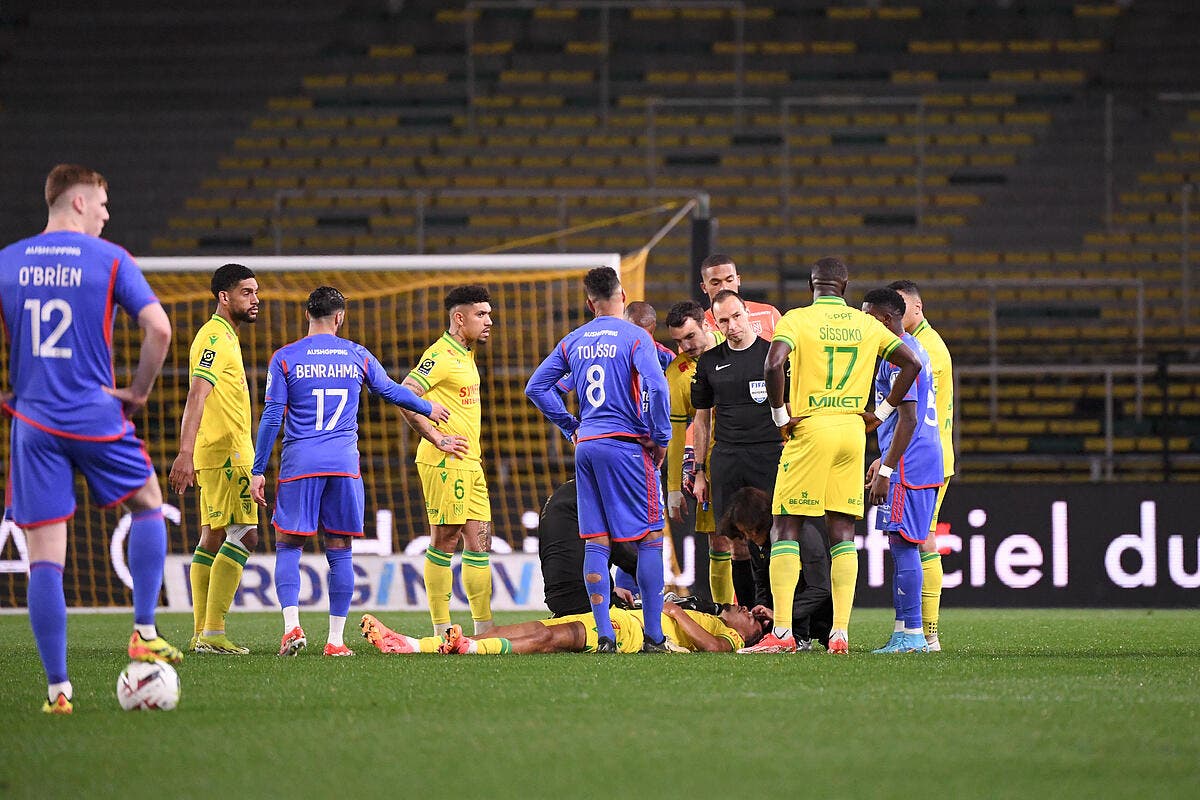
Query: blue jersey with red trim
665, 356
59, 293
921, 463
315, 385
621, 387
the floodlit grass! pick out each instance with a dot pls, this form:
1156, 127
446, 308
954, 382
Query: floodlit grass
1021, 704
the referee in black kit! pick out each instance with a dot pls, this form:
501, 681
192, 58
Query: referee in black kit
746, 442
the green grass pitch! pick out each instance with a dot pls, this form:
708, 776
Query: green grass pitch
1022, 704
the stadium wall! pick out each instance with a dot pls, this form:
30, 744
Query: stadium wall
1129, 545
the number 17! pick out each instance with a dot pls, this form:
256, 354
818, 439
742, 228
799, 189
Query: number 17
829, 352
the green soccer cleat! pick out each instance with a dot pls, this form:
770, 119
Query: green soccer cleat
156, 649
220, 644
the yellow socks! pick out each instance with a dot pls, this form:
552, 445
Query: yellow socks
843, 576
223, 584
439, 581
785, 574
477, 583
198, 576
931, 591
491, 647
720, 576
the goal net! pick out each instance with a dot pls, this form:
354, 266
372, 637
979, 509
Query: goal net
395, 310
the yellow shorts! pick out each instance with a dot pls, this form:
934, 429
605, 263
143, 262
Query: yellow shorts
821, 468
453, 496
626, 626
225, 497
937, 509
705, 522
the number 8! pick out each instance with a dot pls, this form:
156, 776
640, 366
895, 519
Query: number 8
594, 392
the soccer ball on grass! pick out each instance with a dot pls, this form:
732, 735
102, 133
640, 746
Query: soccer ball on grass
151, 686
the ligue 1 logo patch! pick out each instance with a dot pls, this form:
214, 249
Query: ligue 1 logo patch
758, 391
426, 367
208, 357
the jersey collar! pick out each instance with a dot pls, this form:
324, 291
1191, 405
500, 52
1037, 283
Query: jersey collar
455, 343
225, 322
924, 324
829, 300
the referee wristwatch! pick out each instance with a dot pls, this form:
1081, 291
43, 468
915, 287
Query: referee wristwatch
698, 468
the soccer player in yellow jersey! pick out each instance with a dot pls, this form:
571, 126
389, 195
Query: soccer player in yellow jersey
687, 631
216, 453
685, 323
943, 386
449, 460
831, 348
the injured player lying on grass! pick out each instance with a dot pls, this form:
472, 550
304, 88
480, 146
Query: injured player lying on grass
687, 632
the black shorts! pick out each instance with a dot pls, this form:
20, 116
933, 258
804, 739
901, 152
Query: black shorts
732, 467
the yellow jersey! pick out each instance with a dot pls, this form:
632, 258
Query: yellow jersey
224, 436
714, 625
833, 356
679, 388
448, 375
943, 388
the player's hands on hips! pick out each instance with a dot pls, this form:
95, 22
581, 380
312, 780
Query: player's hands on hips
879, 489
700, 488
183, 473
130, 402
871, 472
657, 451
439, 413
675, 505
453, 445
871, 420
258, 489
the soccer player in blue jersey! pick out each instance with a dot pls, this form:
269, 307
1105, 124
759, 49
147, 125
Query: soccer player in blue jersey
59, 292
621, 438
903, 483
313, 390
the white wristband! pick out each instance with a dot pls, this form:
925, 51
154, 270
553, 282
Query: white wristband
883, 410
780, 416
885, 470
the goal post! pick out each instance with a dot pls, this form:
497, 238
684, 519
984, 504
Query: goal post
394, 308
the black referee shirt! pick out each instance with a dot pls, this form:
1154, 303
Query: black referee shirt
733, 381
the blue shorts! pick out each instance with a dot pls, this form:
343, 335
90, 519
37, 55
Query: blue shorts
332, 502
908, 512
41, 481
617, 485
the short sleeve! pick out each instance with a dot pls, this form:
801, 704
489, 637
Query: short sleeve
431, 369
131, 291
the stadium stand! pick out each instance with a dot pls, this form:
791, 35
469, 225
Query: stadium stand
349, 127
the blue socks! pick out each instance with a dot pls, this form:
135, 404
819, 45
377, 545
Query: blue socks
624, 580
287, 574
48, 617
595, 562
650, 581
906, 581
341, 580
147, 552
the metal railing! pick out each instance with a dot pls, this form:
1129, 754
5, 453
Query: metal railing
698, 203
